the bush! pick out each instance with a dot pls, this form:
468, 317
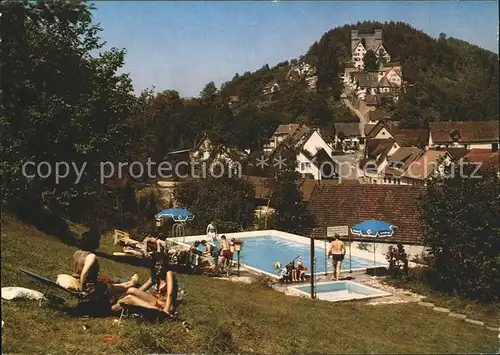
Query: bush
398, 262
461, 229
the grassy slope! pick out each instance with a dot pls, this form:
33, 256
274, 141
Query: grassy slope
226, 317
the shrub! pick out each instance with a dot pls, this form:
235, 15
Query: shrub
398, 262
461, 229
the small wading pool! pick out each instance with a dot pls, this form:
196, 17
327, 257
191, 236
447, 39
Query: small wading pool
342, 291
262, 252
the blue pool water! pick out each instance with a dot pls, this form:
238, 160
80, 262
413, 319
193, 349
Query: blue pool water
343, 291
349, 287
263, 252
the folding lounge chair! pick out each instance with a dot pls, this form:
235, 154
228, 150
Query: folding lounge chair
51, 284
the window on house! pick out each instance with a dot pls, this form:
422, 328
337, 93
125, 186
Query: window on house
304, 166
494, 147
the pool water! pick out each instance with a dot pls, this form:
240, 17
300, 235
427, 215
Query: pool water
263, 252
343, 290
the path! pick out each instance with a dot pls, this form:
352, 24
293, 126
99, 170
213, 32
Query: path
362, 120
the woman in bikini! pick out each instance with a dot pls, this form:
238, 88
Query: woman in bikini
165, 282
337, 251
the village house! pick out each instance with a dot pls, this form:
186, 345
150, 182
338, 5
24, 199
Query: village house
425, 167
362, 43
377, 152
283, 131
205, 156
469, 135
347, 136
314, 157
348, 205
386, 129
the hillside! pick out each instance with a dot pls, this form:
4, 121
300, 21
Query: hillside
226, 317
452, 79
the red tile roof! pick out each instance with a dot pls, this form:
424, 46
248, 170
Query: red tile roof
340, 205
486, 157
412, 137
470, 131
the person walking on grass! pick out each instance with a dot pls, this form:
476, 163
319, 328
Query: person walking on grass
337, 252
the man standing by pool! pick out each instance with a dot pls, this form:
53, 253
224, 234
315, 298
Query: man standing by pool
337, 251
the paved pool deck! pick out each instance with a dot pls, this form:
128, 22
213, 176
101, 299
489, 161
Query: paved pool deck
395, 295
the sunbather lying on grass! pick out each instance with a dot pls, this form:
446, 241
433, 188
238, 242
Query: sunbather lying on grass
165, 282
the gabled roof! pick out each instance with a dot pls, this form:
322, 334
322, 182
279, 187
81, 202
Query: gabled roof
455, 152
366, 79
412, 137
340, 205
426, 163
297, 139
286, 129
348, 129
377, 115
465, 132
368, 128
385, 83
391, 126
398, 163
487, 158
374, 146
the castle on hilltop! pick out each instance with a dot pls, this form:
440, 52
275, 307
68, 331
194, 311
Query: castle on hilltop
362, 43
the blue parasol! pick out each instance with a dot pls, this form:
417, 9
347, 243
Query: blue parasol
373, 228
177, 215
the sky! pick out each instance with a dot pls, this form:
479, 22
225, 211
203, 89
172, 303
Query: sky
184, 45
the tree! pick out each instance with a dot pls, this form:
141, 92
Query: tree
461, 227
209, 92
291, 214
226, 201
70, 106
370, 61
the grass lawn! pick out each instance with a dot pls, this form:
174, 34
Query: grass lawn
226, 317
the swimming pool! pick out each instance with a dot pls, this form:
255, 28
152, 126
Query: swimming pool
262, 252
342, 291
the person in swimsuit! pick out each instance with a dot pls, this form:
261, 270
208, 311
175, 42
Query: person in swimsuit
337, 252
85, 269
166, 286
226, 252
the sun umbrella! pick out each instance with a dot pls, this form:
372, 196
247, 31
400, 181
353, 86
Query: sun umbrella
373, 228
177, 215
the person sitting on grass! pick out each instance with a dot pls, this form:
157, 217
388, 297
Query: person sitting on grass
166, 286
85, 278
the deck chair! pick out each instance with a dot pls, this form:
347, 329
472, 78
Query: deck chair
49, 284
